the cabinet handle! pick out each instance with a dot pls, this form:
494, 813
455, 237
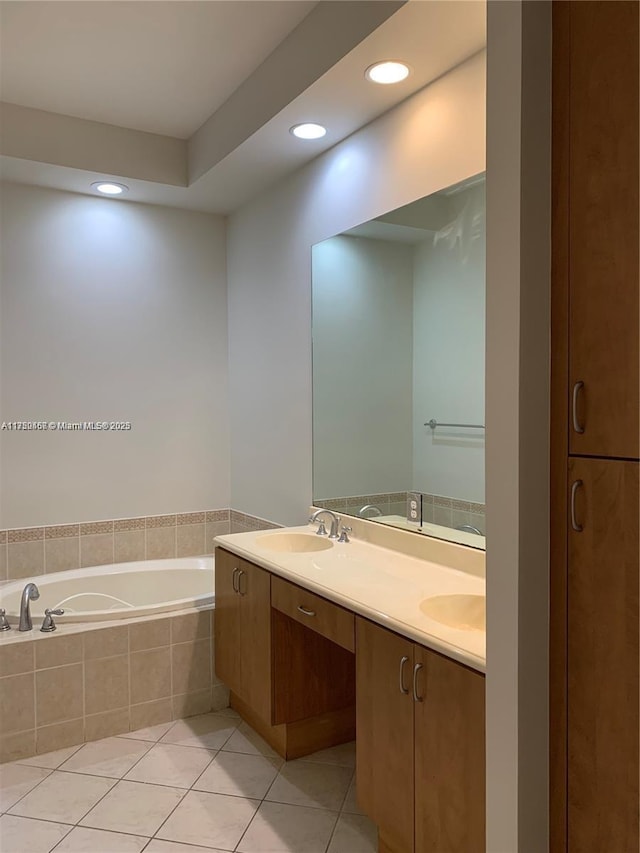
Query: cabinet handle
241, 574
416, 670
577, 426
574, 522
405, 690
306, 611
234, 578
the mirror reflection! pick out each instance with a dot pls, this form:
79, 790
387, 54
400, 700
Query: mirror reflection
398, 367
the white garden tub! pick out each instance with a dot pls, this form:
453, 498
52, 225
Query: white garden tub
119, 591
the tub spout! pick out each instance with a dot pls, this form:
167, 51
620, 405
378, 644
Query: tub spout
29, 593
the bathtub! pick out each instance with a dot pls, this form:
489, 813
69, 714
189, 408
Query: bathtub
119, 591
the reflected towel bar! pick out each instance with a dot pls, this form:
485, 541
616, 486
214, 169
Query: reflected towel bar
433, 423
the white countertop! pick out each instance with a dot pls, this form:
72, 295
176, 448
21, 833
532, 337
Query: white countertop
385, 586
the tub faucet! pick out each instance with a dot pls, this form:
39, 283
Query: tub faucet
29, 593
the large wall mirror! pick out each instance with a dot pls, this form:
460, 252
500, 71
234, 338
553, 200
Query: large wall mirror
398, 366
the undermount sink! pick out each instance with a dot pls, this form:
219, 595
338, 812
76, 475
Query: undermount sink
465, 612
293, 543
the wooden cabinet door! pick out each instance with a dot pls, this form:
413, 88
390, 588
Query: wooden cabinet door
450, 756
384, 734
255, 638
227, 620
603, 647
603, 216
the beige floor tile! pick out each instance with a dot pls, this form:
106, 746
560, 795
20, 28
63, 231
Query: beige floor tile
166, 764
151, 733
244, 739
350, 802
113, 756
52, 760
209, 819
229, 712
135, 808
64, 797
209, 731
22, 835
279, 828
239, 775
84, 840
344, 755
16, 780
354, 834
302, 783
158, 846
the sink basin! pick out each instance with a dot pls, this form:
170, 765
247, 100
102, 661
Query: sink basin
465, 612
293, 543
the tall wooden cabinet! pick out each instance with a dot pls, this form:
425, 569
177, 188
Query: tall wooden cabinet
420, 745
603, 657
595, 429
603, 227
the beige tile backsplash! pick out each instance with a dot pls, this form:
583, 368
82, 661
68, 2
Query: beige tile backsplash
31, 551
61, 690
438, 509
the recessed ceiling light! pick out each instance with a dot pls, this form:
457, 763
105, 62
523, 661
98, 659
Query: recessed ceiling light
110, 187
387, 72
309, 130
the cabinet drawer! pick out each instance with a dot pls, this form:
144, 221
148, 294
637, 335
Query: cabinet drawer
317, 613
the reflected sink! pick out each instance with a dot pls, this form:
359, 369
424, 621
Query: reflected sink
293, 543
464, 612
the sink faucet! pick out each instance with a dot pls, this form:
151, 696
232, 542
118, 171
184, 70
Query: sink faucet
29, 593
335, 521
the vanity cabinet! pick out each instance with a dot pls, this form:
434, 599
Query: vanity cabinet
420, 745
243, 630
384, 733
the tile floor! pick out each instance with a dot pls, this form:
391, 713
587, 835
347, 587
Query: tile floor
200, 785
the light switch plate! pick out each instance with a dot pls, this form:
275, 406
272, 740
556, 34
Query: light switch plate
414, 507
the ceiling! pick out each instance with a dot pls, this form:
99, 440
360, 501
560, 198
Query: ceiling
163, 67
187, 125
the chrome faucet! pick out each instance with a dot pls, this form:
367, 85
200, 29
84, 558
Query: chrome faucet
335, 521
29, 593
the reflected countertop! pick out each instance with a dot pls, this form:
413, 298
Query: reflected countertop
383, 585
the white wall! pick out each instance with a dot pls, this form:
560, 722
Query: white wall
517, 403
429, 142
449, 340
362, 366
111, 311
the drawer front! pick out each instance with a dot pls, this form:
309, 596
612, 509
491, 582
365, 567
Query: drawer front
333, 622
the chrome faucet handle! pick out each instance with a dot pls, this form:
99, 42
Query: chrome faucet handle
344, 534
4, 622
47, 623
322, 530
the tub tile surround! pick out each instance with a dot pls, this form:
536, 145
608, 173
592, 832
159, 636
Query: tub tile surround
209, 783
81, 684
28, 552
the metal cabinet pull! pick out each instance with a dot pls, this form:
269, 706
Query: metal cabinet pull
241, 574
416, 670
574, 522
577, 426
405, 690
306, 611
234, 578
